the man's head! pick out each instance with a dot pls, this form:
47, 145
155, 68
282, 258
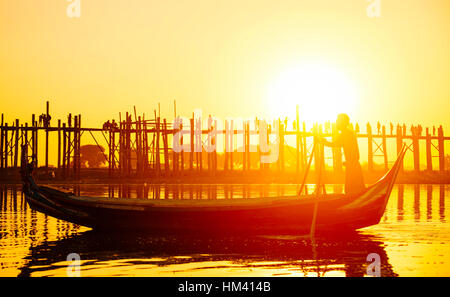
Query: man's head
342, 121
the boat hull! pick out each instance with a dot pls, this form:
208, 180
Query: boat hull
275, 215
278, 216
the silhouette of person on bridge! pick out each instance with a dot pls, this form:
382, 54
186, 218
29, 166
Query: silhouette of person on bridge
354, 180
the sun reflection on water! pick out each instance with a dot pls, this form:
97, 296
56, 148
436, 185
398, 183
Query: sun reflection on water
412, 239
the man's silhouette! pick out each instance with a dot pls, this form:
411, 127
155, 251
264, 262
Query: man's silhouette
354, 181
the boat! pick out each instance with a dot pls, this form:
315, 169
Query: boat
272, 215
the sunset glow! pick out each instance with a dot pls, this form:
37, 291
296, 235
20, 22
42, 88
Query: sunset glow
319, 90
228, 138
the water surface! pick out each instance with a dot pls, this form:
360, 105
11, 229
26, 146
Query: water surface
412, 239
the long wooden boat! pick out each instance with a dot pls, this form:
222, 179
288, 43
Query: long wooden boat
271, 215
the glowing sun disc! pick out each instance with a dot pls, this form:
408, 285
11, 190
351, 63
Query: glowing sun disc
320, 91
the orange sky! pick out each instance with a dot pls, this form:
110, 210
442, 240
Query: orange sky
221, 56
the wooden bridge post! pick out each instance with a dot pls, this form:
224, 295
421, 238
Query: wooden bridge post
145, 146
45, 122
281, 146
244, 145
399, 139
110, 152
208, 153
1, 143
200, 139
138, 141
59, 144
316, 152
21, 133
305, 146
226, 146
34, 141
415, 141
269, 131
158, 157
166, 150
6, 145
260, 153
337, 151
322, 148
247, 144
384, 145
175, 155
181, 154
121, 147
141, 146
69, 143
143, 143
441, 149
233, 133
25, 141
16, 146
79, 148
64, 150
124, 147
191, 153
114, 149
297, 138
128, 144
119, 165
75, 141
369, 148
214, 143
428, 150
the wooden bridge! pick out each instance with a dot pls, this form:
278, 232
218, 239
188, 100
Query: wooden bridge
139, 147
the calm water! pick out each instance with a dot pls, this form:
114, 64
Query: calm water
412, 239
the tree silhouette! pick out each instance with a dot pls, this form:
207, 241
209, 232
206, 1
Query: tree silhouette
92, 156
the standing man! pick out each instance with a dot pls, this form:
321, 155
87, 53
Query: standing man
354, 180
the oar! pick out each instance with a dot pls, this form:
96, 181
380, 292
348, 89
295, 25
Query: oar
316, 204
307, 169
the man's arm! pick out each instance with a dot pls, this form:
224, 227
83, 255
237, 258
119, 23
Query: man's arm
336, 143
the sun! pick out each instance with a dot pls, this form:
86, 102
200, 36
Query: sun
320, 91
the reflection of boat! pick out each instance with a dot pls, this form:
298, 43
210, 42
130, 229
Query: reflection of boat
128, 253
286, 214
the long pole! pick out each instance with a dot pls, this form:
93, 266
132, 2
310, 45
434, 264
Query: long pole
316, 204
307, 170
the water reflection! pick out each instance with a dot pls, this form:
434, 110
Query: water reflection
432, 193
442, 203
417, 202
427, 193
188, 191
400, 194
277, 255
